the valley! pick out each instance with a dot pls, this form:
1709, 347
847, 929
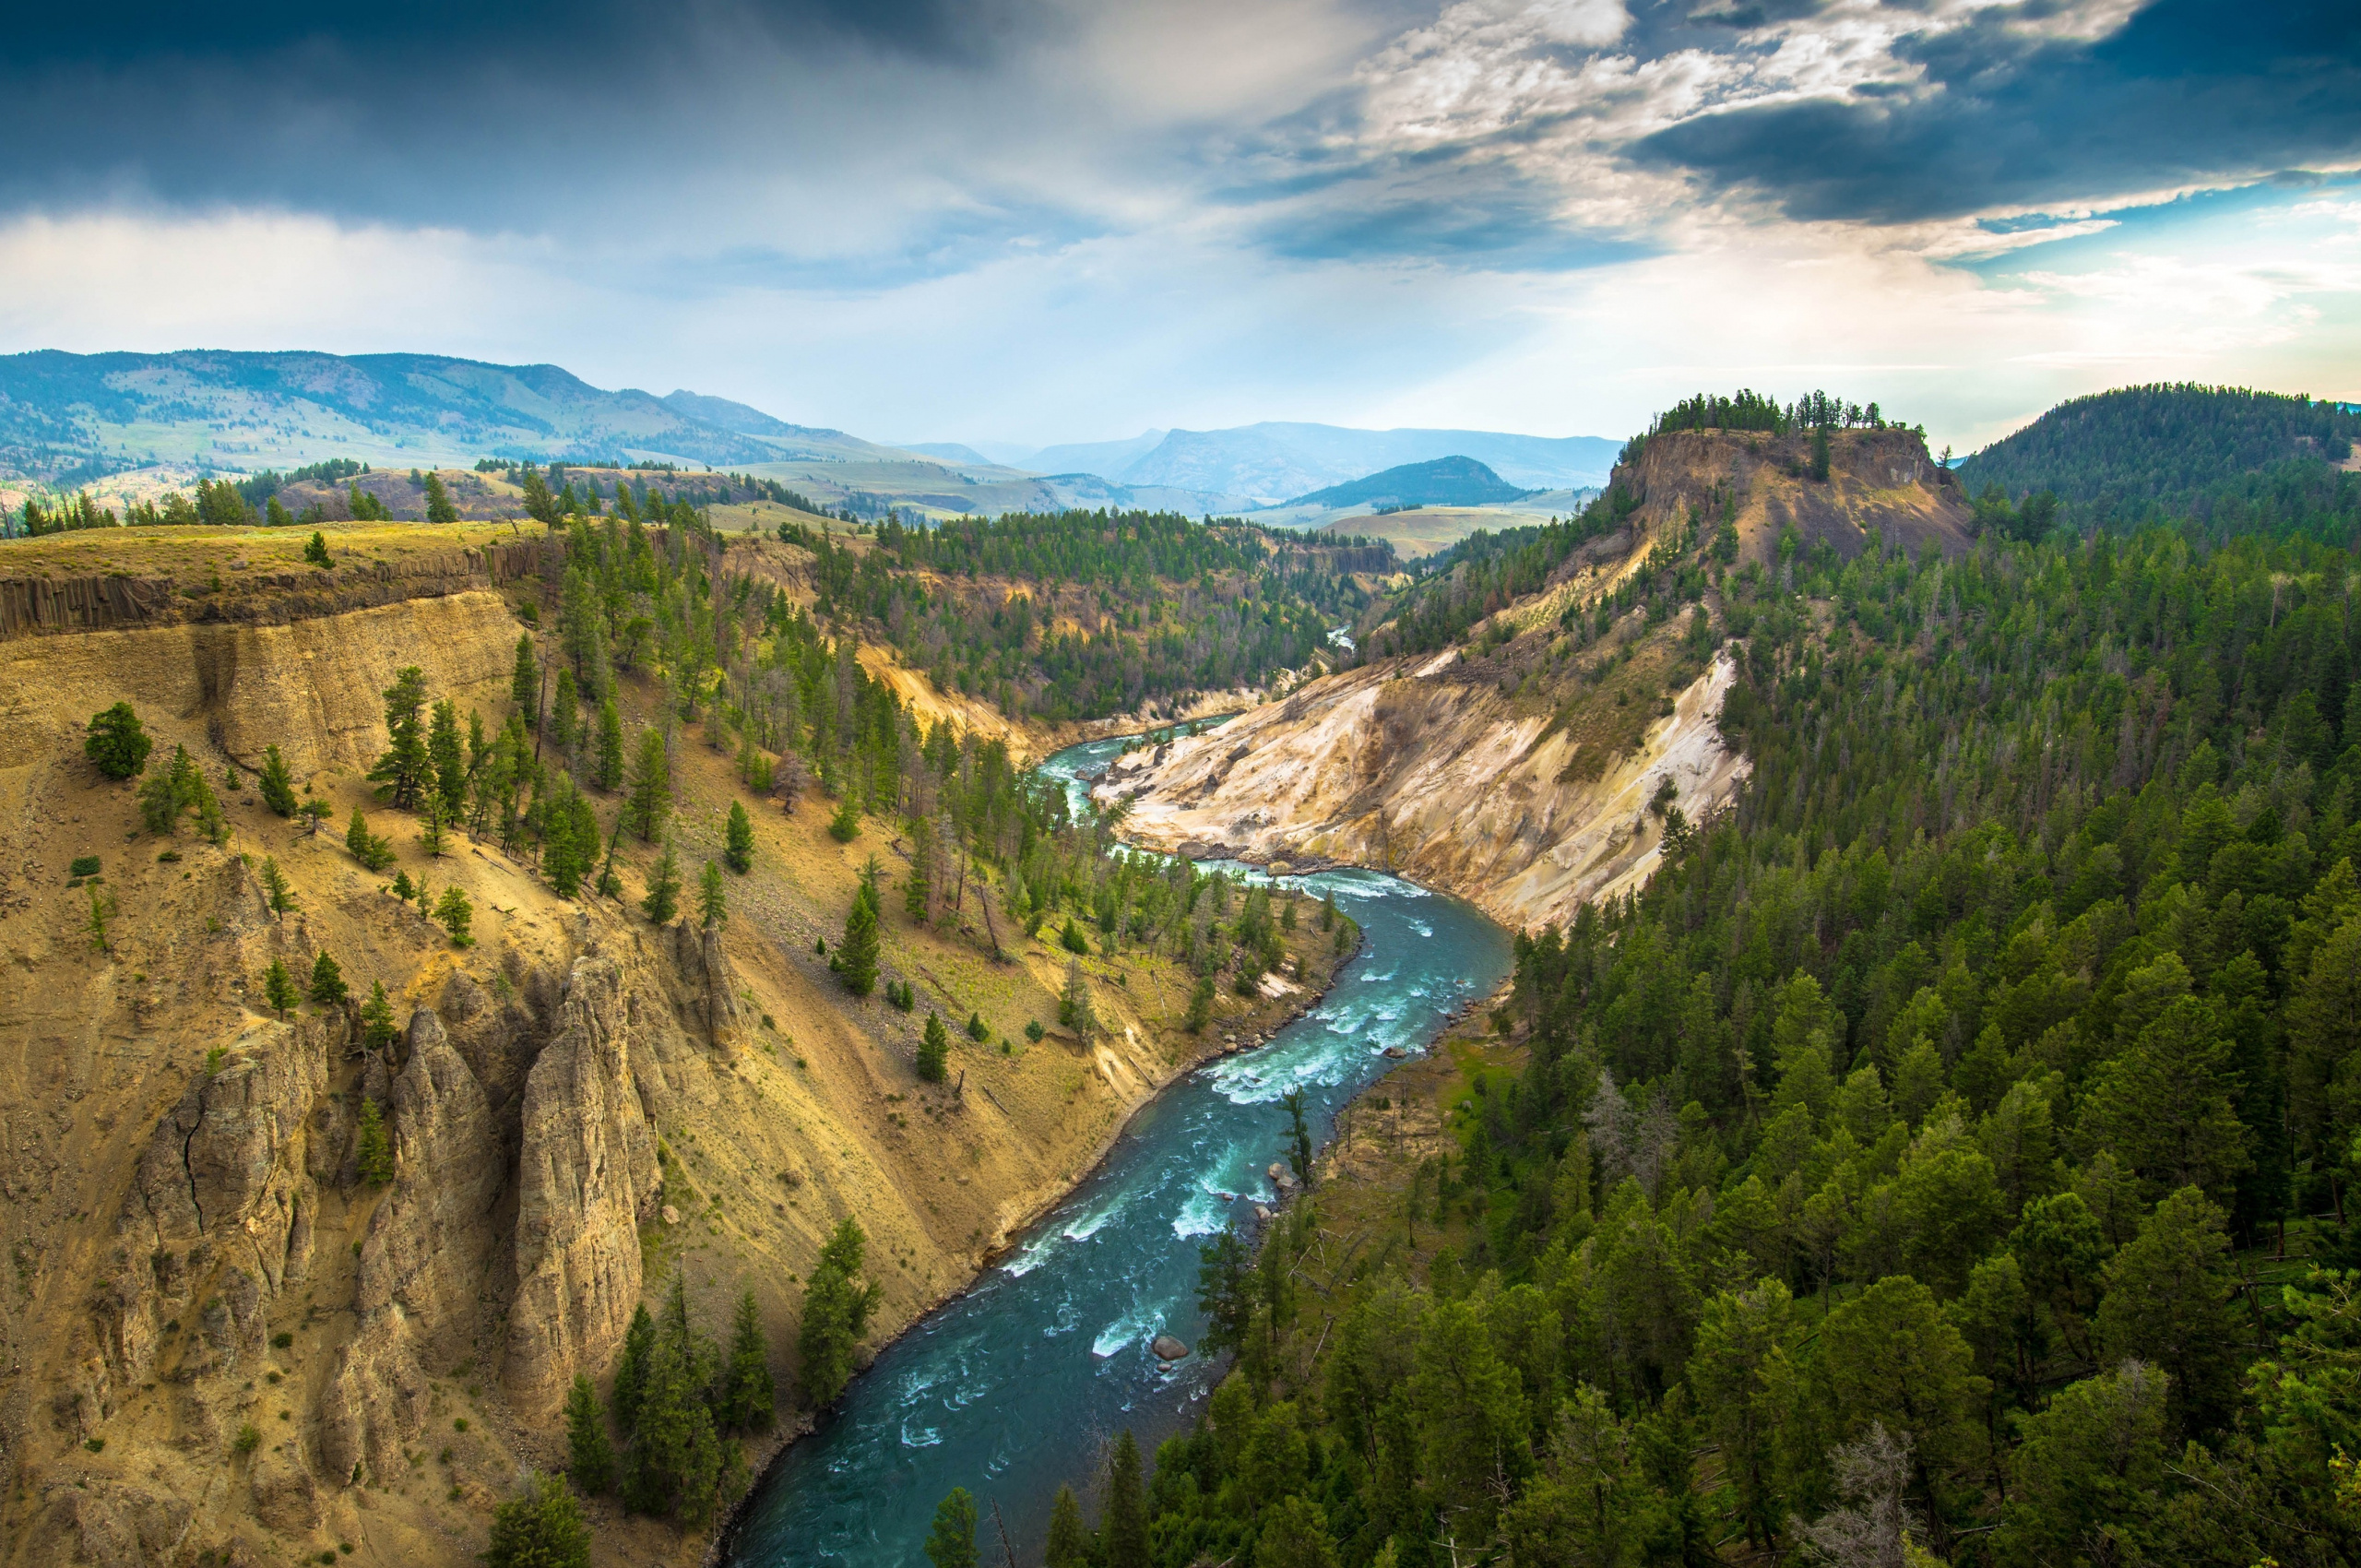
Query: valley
1781, 908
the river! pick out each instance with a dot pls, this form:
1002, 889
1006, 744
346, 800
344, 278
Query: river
1016, 1385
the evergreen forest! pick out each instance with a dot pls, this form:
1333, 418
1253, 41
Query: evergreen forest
1948, 1156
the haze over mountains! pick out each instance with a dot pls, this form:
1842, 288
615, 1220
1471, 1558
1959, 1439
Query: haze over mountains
1275, 461
74, 420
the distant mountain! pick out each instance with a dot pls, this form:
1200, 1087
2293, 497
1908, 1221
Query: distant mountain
722, 412
1445, 482
949, 451
2167, 445
1274, 461
67, 419
1107, 460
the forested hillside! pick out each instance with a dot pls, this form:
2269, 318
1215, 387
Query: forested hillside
2231, 460
1087, 614
1947, 1156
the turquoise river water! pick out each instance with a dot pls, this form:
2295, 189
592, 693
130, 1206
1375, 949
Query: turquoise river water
1015, 1385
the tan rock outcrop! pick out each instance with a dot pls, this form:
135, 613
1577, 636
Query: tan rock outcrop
587, 1175
220, 1204
1400, 767
423, 1263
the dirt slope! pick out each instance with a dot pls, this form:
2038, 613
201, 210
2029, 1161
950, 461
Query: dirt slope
582, 1105
1422, 766
1516, 770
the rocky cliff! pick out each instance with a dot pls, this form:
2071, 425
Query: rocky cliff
1526, 768
1422, 766
219, 1338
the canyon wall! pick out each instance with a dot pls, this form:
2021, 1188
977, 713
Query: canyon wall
219, 1337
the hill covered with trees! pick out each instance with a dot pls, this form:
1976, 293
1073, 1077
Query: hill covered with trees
2230, 459
1947, 1156
1087, 614
1447, 481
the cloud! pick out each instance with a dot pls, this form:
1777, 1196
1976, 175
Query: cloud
1050, 219
2012, 108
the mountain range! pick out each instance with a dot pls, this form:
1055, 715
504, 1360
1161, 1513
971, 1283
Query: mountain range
125, 422
1273, 462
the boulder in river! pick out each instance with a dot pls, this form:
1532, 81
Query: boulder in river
1168, 1348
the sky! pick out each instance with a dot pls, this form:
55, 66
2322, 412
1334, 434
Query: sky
1027, 221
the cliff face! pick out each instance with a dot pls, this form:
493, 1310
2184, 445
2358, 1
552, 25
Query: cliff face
310, 687
1419, 767
1519, 770
1882, 486
219, 1337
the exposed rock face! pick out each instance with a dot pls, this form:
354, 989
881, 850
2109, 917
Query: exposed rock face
705, 968
429, 1243
220, 1206
1882, 486
1398, 765
108, 1522
311, 687
423, 1263
587, 1176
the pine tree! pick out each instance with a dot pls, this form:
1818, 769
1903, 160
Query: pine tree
1076, 1008
439, 508
431, 836
278, 783
664, 900
591, 1460
315, 549
541, 1529
748, 1401
1124, 1527
278, 987
449, 784
713, 899
1201, 1006
366, 847
405, 770
378, 1030
1299, 1136
837, 1305
2167, 1304
609, 774
179, 787
951, 1543
651, 787
978, 1030
276, 889
1068, 1543
456, 913
116, 742
845, 826
631, 1368
676, 1464
918, 891
328, 986
738, 851
934, 1050
525, 682
374, 1152
857, 954
564, 711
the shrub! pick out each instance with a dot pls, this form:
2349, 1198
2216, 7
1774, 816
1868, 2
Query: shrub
116, 742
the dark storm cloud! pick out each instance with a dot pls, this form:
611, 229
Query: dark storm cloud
2190, 91
440, 110
127, 32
